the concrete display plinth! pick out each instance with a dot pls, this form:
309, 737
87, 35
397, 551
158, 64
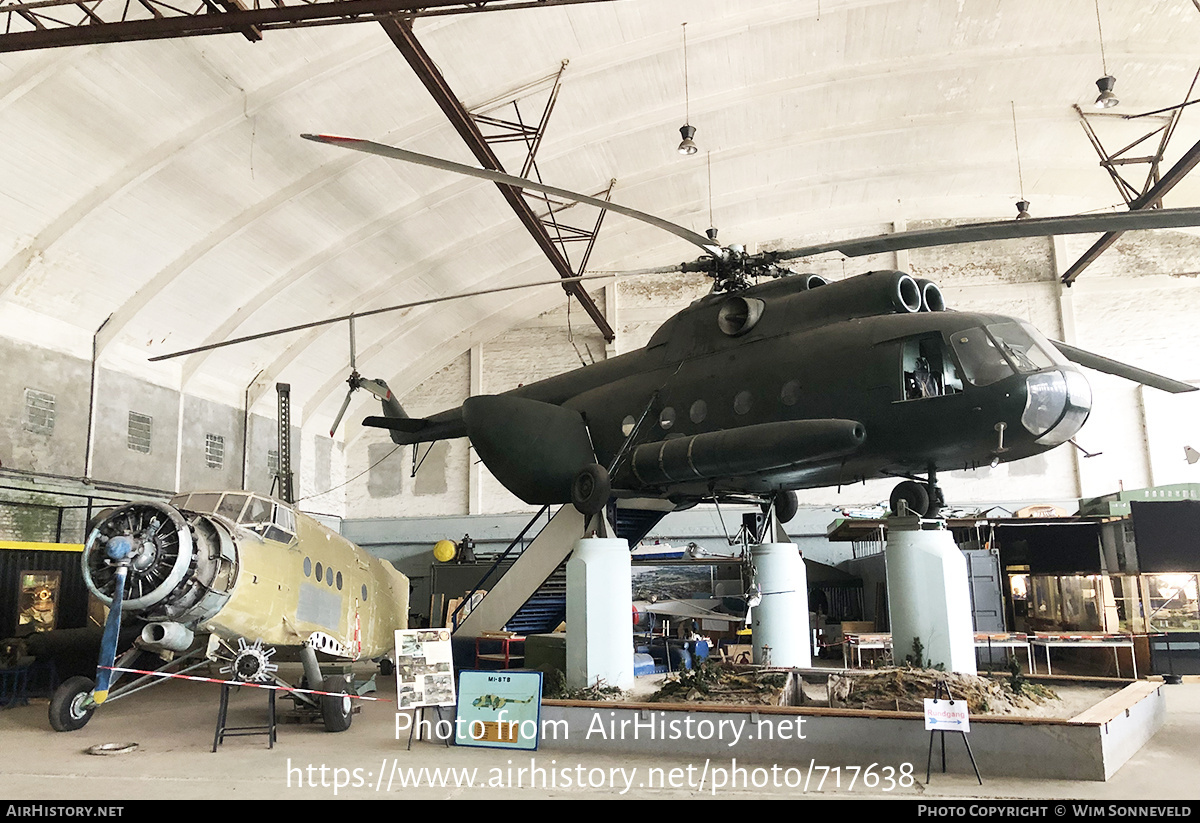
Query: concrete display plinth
599, 614
780, 621
929, 596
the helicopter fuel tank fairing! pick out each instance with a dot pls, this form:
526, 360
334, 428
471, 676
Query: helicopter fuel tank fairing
231, 566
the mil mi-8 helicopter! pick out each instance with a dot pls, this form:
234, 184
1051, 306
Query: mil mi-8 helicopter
231, 565
757, 390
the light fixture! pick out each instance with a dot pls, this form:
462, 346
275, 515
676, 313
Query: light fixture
1107, 99
1105, 84
687, 145
687, 131
1023, 209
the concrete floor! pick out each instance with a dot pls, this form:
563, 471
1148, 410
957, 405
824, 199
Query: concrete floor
173, 727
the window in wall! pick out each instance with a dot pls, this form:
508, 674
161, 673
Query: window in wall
39, 411
140, 428
214, 451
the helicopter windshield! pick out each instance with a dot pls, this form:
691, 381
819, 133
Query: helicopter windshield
999, 351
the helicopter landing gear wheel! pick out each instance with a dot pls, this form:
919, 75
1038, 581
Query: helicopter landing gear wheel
70, 709
786, 505
336, 710
914, 496
591, 489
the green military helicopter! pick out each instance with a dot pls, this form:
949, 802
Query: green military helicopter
763, 388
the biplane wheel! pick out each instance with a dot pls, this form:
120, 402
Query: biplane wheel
591, 489
915, 497
336, 708
67, 710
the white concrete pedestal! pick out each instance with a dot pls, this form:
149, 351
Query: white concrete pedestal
779, 623
599, 614
929, 595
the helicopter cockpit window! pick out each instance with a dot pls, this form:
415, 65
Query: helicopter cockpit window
1022, 348
928, 371
982, 361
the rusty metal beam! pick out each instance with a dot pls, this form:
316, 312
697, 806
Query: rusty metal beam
42, 24
1151, 199
401, 34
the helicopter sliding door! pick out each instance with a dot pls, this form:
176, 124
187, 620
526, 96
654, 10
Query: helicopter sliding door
927, 369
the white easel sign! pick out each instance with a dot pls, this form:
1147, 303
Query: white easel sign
946, 716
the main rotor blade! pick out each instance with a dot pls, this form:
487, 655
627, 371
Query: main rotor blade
519, 182
354, 315
1003, 230
1119, 369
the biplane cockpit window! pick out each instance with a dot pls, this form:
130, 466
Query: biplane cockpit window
928, 369
232, 505
204, 502
258, 511
270, 519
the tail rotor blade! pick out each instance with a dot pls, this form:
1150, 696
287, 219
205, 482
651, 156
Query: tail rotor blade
341, 413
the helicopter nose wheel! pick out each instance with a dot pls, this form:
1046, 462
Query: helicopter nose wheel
910, 497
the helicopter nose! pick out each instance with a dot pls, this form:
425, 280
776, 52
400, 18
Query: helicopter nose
1057, 403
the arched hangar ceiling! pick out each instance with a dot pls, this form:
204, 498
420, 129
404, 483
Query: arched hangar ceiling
160, 189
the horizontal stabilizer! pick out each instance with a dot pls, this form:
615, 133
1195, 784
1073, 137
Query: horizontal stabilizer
1119, 369
411, 425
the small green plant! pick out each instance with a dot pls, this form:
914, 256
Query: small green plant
1016, 679
918, 660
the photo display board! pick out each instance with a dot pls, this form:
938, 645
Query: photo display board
424, 668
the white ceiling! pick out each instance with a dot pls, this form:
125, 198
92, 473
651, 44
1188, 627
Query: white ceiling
165, 183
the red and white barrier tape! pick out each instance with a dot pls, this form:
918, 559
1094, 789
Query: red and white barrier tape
272, 686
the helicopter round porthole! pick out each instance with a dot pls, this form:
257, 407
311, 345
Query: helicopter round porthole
627, 425
698, 412
308, 567
790, 393
667, 418
742, 402
739, 315
320, 571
